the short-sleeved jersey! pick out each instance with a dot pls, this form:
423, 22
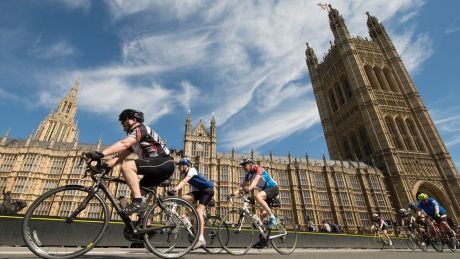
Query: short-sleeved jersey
378, 221
265, 181
198, 181
428, 208
149, 143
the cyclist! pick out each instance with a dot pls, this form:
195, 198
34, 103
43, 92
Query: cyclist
202, 191
431, 207
256, 176
380, 224
154, 161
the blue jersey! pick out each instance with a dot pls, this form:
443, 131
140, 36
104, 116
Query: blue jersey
198, 181
428, 207
265, 180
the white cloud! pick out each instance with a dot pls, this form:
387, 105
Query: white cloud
241, 59
6, 95
85, 5
454, 26
413, 49
57, 50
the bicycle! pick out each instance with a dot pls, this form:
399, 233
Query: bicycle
439, 237
69, 221
414, 237
242, 222
381, 240
211, 228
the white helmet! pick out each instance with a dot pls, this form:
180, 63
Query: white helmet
402, 211
375, 215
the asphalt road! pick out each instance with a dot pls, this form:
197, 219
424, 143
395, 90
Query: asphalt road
113, 253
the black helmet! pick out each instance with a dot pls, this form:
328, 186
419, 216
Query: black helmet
130, 113
246, 161
412, 205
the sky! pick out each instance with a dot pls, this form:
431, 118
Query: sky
243, 61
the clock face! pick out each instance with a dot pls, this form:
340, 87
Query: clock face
199, 146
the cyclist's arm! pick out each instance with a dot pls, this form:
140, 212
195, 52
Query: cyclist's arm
182, 183
254, 182
119, 158
242, 185
121, 145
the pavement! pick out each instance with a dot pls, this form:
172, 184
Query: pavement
113, 253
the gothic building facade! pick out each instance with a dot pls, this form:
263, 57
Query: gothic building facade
371, 111
383, 145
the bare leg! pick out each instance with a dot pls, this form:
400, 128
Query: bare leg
260, 198
129, 172
200, 208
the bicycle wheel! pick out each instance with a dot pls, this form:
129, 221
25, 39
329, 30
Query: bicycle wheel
173, 239
211, 228
435, 240
236, 232
452, 243
378, 239
284, 236
411, 241
49, 233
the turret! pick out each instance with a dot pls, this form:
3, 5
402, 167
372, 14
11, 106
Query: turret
338, 26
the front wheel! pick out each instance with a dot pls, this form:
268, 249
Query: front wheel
175, 223
236, 232
50, 231
284, 236
211, 229
436, 240
452, 243
411, 241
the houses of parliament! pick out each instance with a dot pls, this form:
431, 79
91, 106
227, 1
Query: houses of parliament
383, 144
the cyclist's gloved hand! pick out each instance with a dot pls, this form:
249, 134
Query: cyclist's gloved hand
437, 215
172, 193
93, 155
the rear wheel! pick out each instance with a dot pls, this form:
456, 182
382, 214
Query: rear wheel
211, 229
284, 236
50, 231
236, 233
176, 235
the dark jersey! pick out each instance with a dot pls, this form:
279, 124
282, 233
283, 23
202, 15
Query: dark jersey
149, 143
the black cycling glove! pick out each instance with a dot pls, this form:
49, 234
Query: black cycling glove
171, 193
94, 155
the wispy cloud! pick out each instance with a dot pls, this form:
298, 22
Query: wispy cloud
85, 5
57, 50
244, 60
454, 26
448, 123
8, 96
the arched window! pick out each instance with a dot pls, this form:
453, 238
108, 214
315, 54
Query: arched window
382, 80
392, 132
332, 101
346, 149
415, 135
356, 147
402, 133
372, 78
346, 87
365, 140
339, 93
390, 79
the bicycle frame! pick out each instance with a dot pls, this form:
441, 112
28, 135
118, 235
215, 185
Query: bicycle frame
246, 213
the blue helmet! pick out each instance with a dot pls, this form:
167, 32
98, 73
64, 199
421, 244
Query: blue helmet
184, 161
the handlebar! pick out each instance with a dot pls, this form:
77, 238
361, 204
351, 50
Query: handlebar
99, 168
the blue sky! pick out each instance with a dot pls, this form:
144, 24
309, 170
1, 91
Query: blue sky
243, 61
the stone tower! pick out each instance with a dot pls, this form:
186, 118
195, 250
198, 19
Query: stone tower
59, 125
200, 145
371, 111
